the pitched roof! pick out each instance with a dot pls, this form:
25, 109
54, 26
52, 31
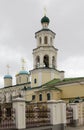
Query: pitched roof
45, 29
56, 82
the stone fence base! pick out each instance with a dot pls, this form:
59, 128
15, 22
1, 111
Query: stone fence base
54, 127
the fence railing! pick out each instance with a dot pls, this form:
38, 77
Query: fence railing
69, 115
37, 115
7, 118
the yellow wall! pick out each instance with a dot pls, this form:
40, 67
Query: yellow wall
44, 99
44, 75
69, 91
28, 95
72, 91
55, 95
40, 80
34, 76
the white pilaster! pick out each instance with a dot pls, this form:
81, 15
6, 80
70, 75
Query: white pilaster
41, 60
40, 78
50, 61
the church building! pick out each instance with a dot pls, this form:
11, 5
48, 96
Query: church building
47, 82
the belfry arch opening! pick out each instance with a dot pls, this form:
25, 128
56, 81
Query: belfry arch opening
45, 40
46, 61
37, 61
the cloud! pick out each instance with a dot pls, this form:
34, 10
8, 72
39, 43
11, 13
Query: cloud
45, 3
73, 66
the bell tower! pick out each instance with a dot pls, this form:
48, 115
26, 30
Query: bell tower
45, 56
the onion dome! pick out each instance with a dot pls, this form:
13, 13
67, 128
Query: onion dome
45, 20
8, 76
23, 72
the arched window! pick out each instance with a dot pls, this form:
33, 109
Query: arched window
46, 61
53, 62
40, 40
35, 81
37, 61
40, 97
48, 96
45, 40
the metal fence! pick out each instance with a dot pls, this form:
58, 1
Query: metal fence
7, 118
69, 116
37, 115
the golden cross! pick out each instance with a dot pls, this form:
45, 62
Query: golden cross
45, 11
23, 63
8, 69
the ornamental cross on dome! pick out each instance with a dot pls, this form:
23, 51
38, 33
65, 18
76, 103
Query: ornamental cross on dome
23, 63
8, 67
45, 11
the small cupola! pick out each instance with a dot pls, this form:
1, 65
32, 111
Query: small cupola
45, 20
7, 78
23, 76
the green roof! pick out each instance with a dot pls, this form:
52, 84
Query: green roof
45, 20
8, 76
56, 82
46, 88
23, 72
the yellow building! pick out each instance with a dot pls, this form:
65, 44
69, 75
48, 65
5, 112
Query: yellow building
47, 83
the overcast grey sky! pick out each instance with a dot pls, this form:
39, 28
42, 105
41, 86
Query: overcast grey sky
20, 19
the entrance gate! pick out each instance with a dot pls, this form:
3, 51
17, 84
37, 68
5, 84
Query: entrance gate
69, 116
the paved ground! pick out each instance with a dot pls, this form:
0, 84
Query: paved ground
75, 128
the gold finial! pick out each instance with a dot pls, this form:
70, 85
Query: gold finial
8, 69
23, 63
45, 11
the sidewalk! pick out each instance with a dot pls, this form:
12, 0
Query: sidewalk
75, 128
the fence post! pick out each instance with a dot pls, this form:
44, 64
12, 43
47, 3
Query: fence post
19, 106
57, 114
75, 113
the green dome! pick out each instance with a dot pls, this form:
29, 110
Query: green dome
8, 76
45, 20
23, 72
